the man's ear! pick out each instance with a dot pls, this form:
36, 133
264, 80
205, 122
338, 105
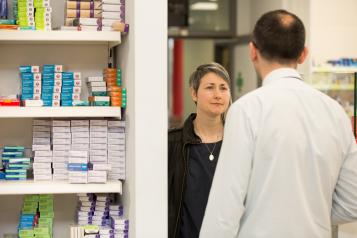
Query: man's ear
193, 94
253, 52
303, 55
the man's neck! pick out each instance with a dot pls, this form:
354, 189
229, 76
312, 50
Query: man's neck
267, 67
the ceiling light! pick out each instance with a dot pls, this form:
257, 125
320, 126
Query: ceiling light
204, 6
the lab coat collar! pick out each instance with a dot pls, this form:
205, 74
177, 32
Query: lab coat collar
279, 74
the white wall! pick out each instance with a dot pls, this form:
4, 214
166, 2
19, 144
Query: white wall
245, 67
196, 52
144, 59
259, 7
125, 60
244, 25
333, 29
241, 52
248, 13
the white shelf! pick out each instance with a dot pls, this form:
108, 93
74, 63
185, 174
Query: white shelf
336, 69
37, 112
56, 187
326, 87
112, 38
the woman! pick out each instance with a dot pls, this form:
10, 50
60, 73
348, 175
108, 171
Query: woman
193, 150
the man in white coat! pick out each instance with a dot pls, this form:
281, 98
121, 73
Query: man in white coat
288, 163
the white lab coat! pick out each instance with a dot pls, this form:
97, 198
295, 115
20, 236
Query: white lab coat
288, 164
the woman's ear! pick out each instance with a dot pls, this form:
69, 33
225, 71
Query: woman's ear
193, 95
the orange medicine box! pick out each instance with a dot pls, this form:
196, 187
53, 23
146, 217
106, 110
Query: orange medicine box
110, 84
110, 75
110, 79
116, 104
114, 89
109, 71
115, 101
115, 94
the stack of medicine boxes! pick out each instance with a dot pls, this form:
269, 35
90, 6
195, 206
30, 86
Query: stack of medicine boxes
51, 85
29, 216
36, 218
101, 210
98, 90
116, 149
31, 82
113, 79
80, 135
71, 88
61, 143
120, 225
112, 11
43, 12
98, 151
25, 13
45, 222
14, 162
41, 145
78, 166
93, 209
86, 205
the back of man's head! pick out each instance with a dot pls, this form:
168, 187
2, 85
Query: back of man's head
279, 36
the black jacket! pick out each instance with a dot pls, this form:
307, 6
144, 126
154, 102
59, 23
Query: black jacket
178, 141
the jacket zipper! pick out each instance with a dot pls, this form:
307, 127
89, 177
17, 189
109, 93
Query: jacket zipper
183, 184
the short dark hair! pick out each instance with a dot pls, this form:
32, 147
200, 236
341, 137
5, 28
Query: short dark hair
279, 36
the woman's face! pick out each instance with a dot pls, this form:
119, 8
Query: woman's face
213, 95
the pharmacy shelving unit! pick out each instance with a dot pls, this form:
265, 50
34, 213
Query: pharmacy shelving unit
334, 69
59, 112
16, 45
60, 37
334, 87
340, 82
142, 57
337, 82
57, 187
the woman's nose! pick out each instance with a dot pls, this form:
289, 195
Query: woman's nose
217, 93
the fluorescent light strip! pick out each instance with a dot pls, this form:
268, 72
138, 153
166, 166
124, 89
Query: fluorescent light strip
204, 6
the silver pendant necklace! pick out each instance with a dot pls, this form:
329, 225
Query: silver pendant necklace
211, 156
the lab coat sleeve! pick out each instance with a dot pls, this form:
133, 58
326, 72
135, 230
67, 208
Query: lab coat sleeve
344, 204
229, 187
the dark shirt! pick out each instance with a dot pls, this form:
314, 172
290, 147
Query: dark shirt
200, 171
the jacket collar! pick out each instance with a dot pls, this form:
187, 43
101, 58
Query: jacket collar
189, 135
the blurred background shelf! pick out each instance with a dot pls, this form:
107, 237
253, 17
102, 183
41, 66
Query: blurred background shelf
56, 187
